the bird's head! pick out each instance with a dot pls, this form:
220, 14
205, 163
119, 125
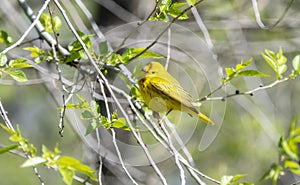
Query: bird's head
153, 69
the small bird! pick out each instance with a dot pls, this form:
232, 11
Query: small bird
163, 93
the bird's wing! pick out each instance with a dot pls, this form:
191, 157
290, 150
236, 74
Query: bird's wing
171, 89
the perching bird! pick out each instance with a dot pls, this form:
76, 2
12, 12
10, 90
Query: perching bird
163, 93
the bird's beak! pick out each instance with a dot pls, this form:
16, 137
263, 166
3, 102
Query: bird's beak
144, 70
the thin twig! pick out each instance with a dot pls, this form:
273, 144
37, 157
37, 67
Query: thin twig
174, 151
91, 20
36, 20
164, 30
120, 157
168, 50
258, 17
250, 92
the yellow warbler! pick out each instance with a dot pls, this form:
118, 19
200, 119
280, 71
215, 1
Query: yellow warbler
163, 93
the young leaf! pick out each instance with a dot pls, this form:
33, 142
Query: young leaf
8, 148
132, 52
3, 59
35, 51
49, 24
67, 175
251, 72
71, 163
5, 38
273, 174
191, 2
102, 49
17, 75
296, 63
270, 61
228, 180
19, 63
33, 161
120, 124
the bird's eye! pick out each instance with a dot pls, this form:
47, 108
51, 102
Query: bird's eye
153, 72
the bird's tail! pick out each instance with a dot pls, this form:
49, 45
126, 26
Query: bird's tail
205, 119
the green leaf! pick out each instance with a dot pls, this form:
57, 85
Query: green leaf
295, 171
33, 161
92, 126
57, 23
8, 130
251, 72
175, 11
67, 175
102, 49
71, 163
35, 51
281, 59
296, 63
3, 59
49, 24
164, 5
191, 2
230, 73
87, 115
132, 52
243, 65
290, 164
5, 38
8, 148
282, 69
273, 174
120, 123
228, 180
270, 61
289, 151
19, 63
17, 75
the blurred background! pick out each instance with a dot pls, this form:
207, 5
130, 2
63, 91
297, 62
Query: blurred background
248, 128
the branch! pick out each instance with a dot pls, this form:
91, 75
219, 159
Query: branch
34, 23
166, 29
250, 92
258, 18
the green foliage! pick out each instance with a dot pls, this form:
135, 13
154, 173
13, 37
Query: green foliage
132, 52
8, 148
238, 71
276, 61
288, 155
91, 112
5, 38
67, 166
12, 68
76, 50
167, 7
39, 54
50, 24
233, 180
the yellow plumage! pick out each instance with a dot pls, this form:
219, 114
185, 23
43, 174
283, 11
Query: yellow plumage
163, 93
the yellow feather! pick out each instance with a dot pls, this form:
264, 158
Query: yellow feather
163, 93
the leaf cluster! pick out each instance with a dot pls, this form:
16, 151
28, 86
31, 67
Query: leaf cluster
91, 113
288, 155
240, 70
67, 166
234, 180
167, 8
13, 68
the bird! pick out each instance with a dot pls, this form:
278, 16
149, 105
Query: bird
161, 92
